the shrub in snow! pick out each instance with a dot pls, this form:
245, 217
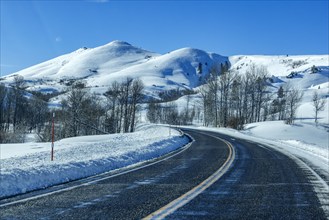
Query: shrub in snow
298, 63
292, 75
314, 69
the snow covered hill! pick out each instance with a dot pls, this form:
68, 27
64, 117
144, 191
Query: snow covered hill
181, 69
280, 66
297, 70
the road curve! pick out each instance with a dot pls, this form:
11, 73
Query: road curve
261, 183
132, 195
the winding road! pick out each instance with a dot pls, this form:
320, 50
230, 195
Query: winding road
215, 177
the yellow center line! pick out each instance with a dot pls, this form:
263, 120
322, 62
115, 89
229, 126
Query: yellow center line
187, 197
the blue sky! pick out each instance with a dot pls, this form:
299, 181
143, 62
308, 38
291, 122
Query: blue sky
36, 31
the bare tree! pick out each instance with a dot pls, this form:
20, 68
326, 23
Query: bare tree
281, 103
212, 97
293, 99
226, 80
126, 88
19, 100
38, 110
170, 113
154, 112
260, 89
209, 105
236, 119
318, 105
73, 106
112, 95
3, 93
136, 98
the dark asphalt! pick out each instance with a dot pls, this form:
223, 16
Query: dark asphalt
133, 195
261, 184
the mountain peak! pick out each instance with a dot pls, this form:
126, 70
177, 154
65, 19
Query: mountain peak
119, 43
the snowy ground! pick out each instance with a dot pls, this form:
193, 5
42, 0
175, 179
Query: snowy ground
26, 167
302, 135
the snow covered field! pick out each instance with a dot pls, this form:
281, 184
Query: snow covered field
26, 167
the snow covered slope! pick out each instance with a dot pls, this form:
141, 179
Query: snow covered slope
280, 66
295, 70
100, 66
185, 68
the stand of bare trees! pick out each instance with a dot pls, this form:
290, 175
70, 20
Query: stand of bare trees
19, 113
123, 105
167, 113
233, 100
81, 112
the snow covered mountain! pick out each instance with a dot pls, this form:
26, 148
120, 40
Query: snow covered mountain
181, 69
185, 68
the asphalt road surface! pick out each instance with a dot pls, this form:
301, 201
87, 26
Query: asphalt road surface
260, 183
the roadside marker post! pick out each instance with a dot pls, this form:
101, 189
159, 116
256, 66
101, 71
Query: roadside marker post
52, 136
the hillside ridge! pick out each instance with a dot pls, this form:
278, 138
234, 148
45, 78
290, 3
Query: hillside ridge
181, 69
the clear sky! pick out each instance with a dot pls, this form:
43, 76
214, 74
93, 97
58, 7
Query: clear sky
36, 31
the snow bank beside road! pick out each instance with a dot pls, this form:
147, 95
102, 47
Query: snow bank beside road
81, 157
303, 139
301, 135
